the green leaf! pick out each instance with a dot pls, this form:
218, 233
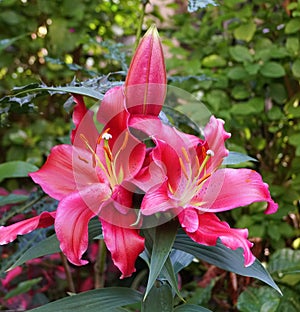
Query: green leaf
224, 258
292, 45
190, 308
180, 259
50, 245
262, 299
46, 247
292, 26
169, 274
22, 288
159, 299
12, 199
76, 90
240, 54
162, 245
105, 299
240, 92
235, 158
296, 68
214, 60
272, 70
5, 43
245, 32
237, 73
16, 169
253, 106
294, 139
284, 261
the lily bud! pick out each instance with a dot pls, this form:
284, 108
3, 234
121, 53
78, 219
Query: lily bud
145, 85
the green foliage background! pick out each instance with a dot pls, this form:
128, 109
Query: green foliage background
249, 54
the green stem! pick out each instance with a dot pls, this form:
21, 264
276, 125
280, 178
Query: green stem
100, 265
140, 26
68, 273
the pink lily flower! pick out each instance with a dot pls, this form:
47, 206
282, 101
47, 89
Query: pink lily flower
87, 179
196, 187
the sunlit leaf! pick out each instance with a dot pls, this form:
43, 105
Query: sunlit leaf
16, 169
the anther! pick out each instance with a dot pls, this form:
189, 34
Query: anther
106, 136
210, 153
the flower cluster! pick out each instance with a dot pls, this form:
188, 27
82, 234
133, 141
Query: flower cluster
139, 172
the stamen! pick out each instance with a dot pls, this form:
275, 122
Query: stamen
203, 179
95, 156
185, 154
183, 168
103, 135
125, 141
210, 153
83, 159
106, 136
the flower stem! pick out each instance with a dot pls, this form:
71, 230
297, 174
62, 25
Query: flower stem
140, 26
100, 265
68, 273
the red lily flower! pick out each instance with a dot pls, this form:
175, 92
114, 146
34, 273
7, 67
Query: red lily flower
196, 187
87, 178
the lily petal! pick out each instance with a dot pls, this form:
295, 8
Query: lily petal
158, 201
145, 85
9, 233
73, 215
231, 188
215, 137
84, 124
211, 228
58, 178
124, 245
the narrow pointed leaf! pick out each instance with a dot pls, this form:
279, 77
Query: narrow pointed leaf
48, 246
104, 300
12, 199
162, 245
169, 274
70, 89
225, 258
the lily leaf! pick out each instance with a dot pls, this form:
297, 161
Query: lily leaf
225, 258
50, 245
235, 158
105, 299
160, 298
162, 244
